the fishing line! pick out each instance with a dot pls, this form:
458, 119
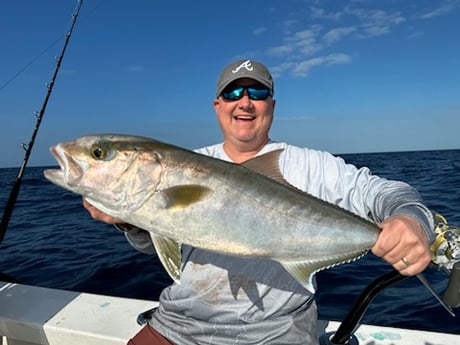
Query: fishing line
31, 62
17, 74
28, 147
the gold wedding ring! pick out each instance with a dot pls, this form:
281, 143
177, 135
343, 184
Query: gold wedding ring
406, 262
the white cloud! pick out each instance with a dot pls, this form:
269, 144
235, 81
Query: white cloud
442, 10
304, 49
303, 68
259, 31
319, 13
374, 22
335, 35
290, 22
333, 59
278, 70
281, 50
303, 42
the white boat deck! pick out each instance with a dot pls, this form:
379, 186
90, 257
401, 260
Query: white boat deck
35, 315
31, 315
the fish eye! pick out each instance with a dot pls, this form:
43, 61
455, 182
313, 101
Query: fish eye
99, 151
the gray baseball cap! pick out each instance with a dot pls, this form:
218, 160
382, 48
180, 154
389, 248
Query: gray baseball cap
244, 69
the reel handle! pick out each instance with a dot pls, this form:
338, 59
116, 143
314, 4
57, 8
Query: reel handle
451, 295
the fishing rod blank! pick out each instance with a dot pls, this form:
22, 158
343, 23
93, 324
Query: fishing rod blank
28, 147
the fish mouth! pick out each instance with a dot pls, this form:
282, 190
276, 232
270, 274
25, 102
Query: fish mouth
69, 172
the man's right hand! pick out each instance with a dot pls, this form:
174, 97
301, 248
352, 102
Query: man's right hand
99, 215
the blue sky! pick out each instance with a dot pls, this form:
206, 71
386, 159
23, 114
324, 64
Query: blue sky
350, 76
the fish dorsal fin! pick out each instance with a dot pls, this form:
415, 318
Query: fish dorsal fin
268, 165
303, 271
169, 253
185, 195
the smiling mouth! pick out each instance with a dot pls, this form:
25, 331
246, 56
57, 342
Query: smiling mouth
244, 118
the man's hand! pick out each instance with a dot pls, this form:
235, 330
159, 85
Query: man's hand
403, 243
99, 215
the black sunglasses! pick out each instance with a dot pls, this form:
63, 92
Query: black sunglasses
236, 92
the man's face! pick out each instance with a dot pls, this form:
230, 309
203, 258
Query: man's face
245, 121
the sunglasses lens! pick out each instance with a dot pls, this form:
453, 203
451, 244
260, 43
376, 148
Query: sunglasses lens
258, 94
254, 93
233, 94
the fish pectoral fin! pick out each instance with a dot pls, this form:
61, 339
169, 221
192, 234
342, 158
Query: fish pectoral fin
185, 195
169, 253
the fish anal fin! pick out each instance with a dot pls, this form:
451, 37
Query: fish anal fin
169, 253
185, 195
303, 271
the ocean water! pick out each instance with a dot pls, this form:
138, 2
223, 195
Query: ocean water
52, 242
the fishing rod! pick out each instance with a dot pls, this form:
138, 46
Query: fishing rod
28, 147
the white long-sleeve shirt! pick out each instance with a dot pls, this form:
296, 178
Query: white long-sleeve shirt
228, 300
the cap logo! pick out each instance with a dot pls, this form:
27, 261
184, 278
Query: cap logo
247, 64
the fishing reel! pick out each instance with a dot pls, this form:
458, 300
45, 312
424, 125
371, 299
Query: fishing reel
445, 249
445, 252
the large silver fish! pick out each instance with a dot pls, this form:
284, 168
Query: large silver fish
179, 196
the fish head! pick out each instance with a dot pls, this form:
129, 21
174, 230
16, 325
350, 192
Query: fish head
115, 173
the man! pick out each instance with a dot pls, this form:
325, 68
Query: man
231, 300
